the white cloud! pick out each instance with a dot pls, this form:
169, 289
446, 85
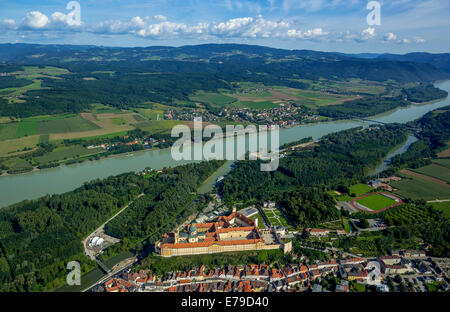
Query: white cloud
419, 40
368, 33
8, 24
159, 27
390, 36
35, 20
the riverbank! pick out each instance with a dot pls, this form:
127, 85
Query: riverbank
66, 178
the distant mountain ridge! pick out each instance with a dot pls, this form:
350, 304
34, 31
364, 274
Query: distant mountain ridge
231, 59
439, 60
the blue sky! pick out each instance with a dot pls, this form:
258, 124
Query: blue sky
326, 25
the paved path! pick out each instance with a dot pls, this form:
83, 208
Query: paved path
439, 201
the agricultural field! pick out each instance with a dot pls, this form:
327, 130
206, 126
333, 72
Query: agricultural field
407, 214
442, 162
158, 126
101, 125
435, 171
376, 202
8, 131
16, 146
66, 125
34, 74
17, 165
417, 188
216, 99
442, 206
65, 153
152, 114
256, 104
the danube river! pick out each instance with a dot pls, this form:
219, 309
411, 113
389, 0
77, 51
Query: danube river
15, 188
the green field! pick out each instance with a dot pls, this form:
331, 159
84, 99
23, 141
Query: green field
65, 125
407, 214
357, 190
8, 131
216, 99
65, 153
376, 202
435, 172
26, 128
360, 189
443, 162
158, 126
17, 164
256, 105
346, 225
444, 206
118, 121
415, 188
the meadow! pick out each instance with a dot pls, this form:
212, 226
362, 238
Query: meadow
360, 189
443, 206
66, 153
216, 99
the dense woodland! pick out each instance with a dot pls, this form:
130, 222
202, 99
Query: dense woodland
434, 134
127, 78
373, 105
341, 158
38, 238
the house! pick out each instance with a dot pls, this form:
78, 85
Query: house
317, 232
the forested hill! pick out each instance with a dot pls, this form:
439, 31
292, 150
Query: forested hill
227, 59
440, 60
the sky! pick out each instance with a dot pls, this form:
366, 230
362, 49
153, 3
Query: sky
349, 26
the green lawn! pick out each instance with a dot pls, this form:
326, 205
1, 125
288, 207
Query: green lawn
360, 189
376, 202
346, 225
444, 206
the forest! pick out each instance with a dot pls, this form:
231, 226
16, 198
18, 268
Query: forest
341, 158
132, 79
373, 105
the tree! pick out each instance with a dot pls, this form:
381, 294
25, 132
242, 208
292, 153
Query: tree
363, 223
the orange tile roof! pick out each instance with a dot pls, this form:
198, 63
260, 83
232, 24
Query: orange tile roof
207, 244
